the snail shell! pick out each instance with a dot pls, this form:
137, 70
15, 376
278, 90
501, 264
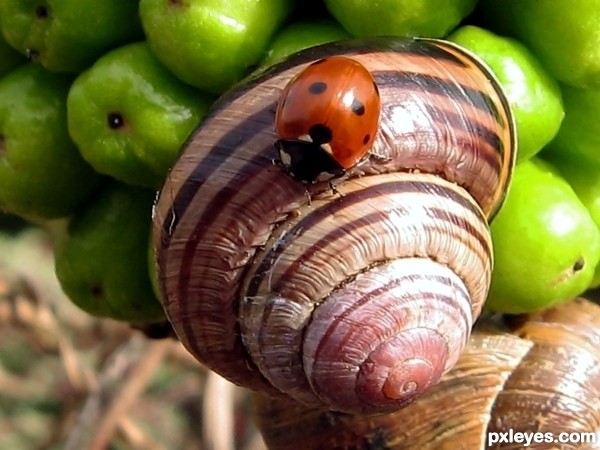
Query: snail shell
540, 376
359, 299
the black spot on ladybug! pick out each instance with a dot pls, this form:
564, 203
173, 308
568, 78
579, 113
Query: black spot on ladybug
367, 138
320, 134
318, 87
357, 107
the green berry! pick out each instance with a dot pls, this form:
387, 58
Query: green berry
68, 35
102, 263
42, 174
9, 57
211, 44
585, 181
563, 34
431, 18
546, 244
301, 35
578, 138
129, 115
534, 96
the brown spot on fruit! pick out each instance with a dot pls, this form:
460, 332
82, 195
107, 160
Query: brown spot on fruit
578, 265
97, 292
115, 121
42, 12
32, 54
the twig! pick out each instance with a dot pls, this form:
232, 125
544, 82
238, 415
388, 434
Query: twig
105, 408
218, 413
134, 435
133, 387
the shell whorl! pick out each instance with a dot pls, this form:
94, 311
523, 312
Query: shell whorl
541, 375
322, 300
347, 280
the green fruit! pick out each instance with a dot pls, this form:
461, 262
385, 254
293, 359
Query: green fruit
535, 97
563, 34
301, 35
546, 244
102, 262
9, 58
432, 18
42, 175
211, 44
129, 115
68, 35
585, 181
579, 135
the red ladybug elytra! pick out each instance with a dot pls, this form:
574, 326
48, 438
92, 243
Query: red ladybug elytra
327, 118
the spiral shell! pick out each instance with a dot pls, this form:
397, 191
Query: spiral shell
357, 299
542, 375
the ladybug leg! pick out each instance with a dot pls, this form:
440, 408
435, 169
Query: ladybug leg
276, 161
377, 157
308, 197
334, 189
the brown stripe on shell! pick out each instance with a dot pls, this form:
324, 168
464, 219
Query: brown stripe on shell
442, 135
375, 60
321, 211
240, 195
452, 415
478, 65
379, 306
377, 218
490, 144
314, 244
387, 342
477, 78
440, 86
449, 216
493, 387
558, 383
224, 197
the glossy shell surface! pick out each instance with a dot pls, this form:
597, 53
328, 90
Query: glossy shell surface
246, 262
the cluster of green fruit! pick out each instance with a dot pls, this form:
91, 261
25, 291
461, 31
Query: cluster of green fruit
98, 97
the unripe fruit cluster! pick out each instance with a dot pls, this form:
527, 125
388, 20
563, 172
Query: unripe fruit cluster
98, 97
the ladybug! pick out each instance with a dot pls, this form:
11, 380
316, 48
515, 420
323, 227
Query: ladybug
326, 119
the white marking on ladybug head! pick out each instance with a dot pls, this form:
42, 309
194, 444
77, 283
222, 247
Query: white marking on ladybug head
325, 176
305, 138
327, 148
285, 157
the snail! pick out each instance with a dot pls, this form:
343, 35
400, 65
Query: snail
539, 375
360, 297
